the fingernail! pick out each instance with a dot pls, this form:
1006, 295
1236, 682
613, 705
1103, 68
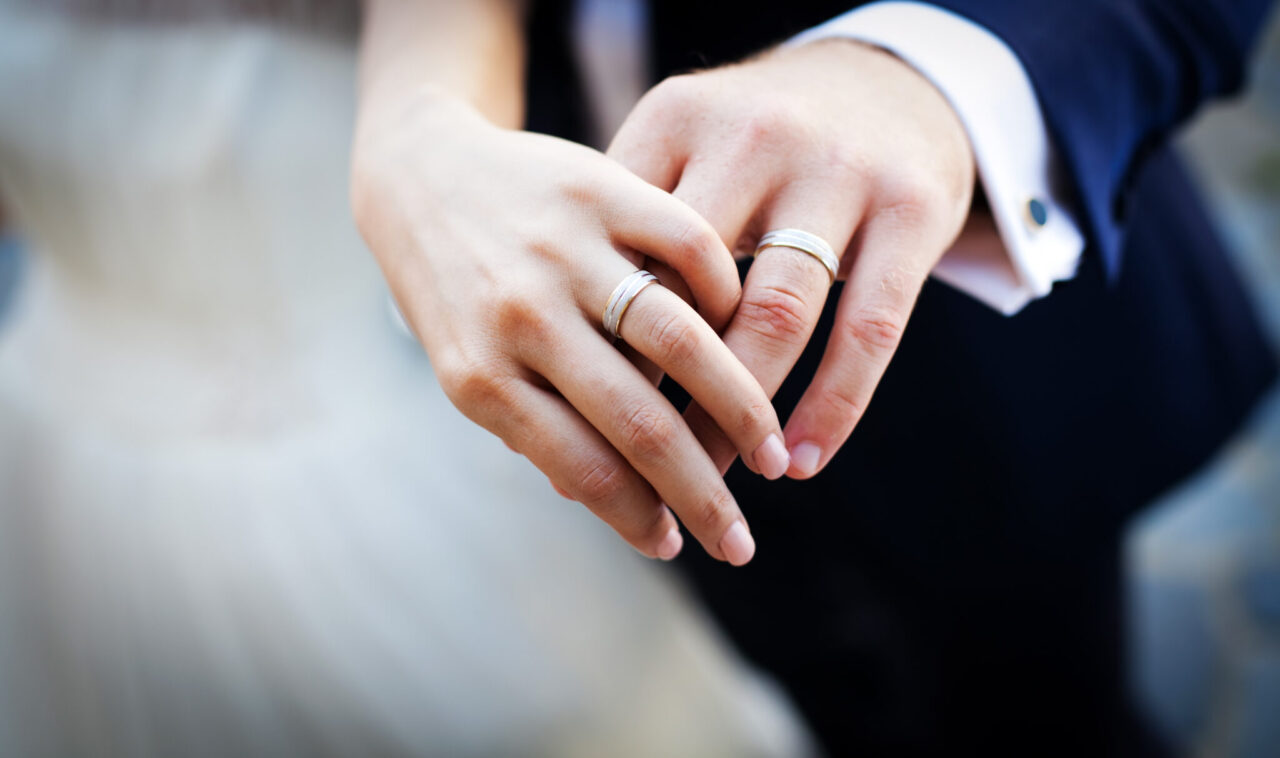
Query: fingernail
737, 544
771, 457
805, 458
670, 546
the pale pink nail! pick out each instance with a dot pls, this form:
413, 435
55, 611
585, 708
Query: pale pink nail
771, 457
737, 544
670, 546
805, 457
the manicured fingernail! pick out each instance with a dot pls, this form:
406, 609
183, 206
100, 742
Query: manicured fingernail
805, 457
670, 546
737, 544
771, 457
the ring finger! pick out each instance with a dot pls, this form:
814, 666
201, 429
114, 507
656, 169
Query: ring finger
668, 332
782, 298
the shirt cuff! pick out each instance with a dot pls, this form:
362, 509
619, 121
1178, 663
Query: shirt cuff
989, 89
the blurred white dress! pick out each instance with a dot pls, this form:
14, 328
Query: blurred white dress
237, 514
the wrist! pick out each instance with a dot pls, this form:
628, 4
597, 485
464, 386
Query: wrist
397, 138
425, 107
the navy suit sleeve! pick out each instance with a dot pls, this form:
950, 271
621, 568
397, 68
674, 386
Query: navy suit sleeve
1115, 77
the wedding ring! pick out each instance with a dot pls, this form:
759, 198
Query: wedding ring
805, 242
621, 298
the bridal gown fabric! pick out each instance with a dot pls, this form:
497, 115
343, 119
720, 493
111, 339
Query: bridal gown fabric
237, 514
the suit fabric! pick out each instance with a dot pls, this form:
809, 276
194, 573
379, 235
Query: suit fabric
952, 580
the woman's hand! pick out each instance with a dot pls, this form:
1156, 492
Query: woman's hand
502, 248
837, 139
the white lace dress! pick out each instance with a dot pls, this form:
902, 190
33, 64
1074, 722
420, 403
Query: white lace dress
237, 514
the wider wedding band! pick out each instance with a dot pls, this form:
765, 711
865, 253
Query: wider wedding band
798, 239
621, 298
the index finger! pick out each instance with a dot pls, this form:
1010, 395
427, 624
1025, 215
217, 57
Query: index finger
663, 328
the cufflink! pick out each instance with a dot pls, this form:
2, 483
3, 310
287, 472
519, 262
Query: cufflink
1035, 214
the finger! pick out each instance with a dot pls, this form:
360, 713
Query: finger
782, 300
665, 329
643, 218
643, 426
891, 264
584, 467
672, 281
649, 151
727, 199
729, 214
651, 371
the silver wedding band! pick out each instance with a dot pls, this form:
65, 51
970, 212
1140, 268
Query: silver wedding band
621, 298
798, 239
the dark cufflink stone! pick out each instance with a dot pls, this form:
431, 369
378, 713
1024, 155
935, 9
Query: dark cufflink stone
1037, 213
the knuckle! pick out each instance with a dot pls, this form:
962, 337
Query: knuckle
606, 488
601, 486
664, 105
912, 200
848, 165
674, 91
877, 327
675, 339
644, 534
776, 313
898, 286
715, 511
648, 434
518, 314
841, 405
476, 388
771, 124
653, 529
454, 381
584, 188
754, 416
694, 242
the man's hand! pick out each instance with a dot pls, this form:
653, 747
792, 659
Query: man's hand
836, 138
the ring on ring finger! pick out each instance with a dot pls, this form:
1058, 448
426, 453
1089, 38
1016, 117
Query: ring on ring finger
811, 244
620, 300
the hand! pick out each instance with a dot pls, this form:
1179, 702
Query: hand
502, 248
841, 140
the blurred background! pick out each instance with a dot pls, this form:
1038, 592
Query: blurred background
1204, 562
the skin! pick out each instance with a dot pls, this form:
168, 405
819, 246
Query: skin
839, 139
502, 247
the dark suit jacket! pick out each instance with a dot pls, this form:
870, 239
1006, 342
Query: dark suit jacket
952, 581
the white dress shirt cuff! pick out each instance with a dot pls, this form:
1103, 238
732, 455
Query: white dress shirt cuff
990, 91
